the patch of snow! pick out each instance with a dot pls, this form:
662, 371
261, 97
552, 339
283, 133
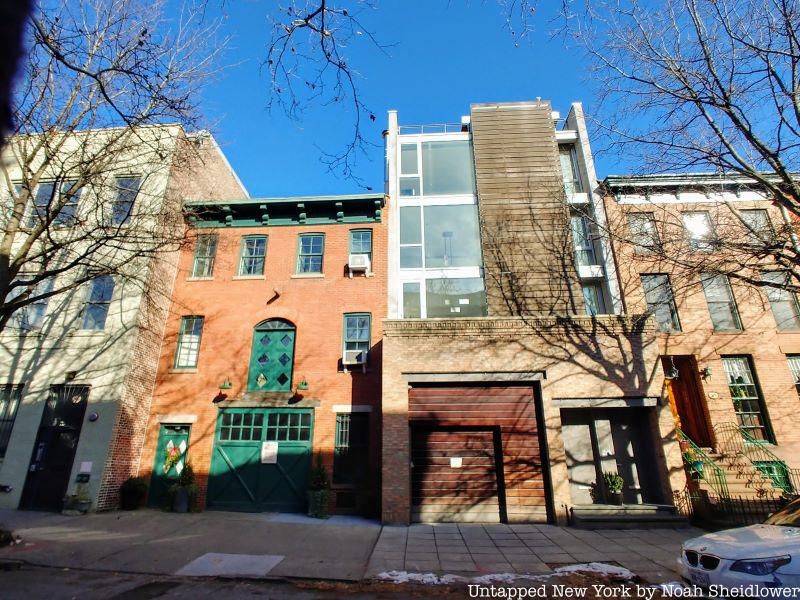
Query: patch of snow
600, 568
507, 578
406, 577
671, 588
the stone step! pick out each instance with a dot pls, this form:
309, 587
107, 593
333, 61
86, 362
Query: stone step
627, 516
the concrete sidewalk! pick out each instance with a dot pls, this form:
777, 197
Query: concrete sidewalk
339, 548
473, 550
208, 543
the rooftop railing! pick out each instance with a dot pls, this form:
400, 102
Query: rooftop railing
434, 128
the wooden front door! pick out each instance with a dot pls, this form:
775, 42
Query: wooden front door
261, 460
54, 450
686, 395
454, 475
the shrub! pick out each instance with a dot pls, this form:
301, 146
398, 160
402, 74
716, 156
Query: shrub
132, 493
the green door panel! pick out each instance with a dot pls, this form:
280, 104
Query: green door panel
238, 480
171, 455
271, 360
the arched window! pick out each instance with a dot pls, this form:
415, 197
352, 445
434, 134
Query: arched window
271, 357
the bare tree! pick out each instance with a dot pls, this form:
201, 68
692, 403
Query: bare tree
101, 82
312, 58
703, 86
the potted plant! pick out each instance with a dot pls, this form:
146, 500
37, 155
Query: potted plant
695, 462
613, 483
183, 494
132, 493
318, 490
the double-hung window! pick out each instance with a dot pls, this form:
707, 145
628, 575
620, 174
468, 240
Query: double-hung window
361, 242
569, 170
122, 208
205, 250
69, 196
10, 396
43, 200
253, 254
98, 301
593, 296
310, 249
661, 302
581, 236
747, 401
643, 232
794, 367
721, 303
189, 342
350, 451
31, 316
783, 302
759, 227
357, 335
699, 232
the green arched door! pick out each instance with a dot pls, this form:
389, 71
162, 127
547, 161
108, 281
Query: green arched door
271, 357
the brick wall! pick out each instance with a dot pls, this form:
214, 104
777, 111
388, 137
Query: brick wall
578, 358
233, 306
759, 339
198, 171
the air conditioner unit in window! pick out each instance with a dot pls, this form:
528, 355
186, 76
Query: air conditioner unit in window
355, 357
358, 262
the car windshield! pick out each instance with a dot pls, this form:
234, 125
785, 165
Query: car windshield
788, 516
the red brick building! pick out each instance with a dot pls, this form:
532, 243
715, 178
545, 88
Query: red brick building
272, 354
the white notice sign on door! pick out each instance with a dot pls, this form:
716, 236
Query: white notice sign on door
455, 462
269, 452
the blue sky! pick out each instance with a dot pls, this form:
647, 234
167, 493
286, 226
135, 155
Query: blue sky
443, 55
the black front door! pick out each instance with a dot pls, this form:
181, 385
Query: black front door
54, 450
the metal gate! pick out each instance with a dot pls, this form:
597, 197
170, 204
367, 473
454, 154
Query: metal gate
261, 460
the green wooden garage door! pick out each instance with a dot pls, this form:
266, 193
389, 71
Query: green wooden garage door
261, 460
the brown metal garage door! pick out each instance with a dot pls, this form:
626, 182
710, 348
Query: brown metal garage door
492, 425
453, 477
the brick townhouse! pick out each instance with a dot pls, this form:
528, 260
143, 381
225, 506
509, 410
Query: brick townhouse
272, 354
79, 367
730, 350
512, 376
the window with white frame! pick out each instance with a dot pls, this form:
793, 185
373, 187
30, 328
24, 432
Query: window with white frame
643, 233
582, 238
205, 251
721, 303
661, 301
759, 227
98, 301
569, 170
783, 302
361, 243
593, 297
252, 256
310, 251
794, 367
188, 349
747, 401
31, 316
699, 231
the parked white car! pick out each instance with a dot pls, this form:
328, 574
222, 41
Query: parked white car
753, 558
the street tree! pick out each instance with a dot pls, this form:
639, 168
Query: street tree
703, 86
100, 81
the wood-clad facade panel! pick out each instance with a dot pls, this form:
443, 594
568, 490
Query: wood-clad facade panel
476, 453
525, 233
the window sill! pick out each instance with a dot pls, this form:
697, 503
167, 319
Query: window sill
307, 276
200, 279
88, 332
248, 277
186, 370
